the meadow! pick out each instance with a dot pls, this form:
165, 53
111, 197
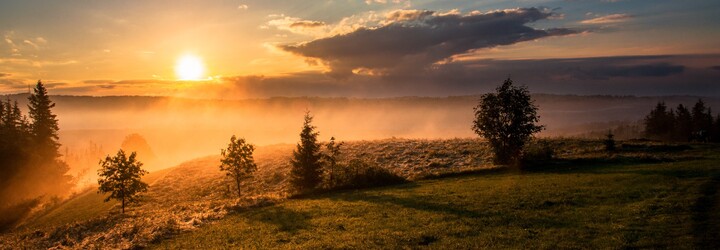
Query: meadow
646, 195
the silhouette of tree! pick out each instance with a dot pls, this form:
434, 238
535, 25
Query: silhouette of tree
609, 142
306, 167
331, 159
120, 176
14, 143
702, 121
683, 124
507, 120
716, 129
44, 123
237, 161
659, 123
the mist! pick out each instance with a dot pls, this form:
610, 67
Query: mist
180, 129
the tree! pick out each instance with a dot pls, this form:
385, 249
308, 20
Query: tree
660, 122
683, 126
609, 142
44, 125
702, 121
237, 160
331, 159
507, 120
306, 167
120, 176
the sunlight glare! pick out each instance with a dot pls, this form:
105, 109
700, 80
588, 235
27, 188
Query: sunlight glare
189, 67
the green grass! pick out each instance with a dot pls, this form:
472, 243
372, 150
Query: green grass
622, 204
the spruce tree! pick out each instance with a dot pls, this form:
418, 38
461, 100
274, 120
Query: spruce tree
659, 124
683, 124
44, 125
305, 174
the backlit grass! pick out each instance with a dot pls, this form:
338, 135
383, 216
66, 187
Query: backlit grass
595, 205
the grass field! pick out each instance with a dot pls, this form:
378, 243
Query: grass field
664, 200
648, 195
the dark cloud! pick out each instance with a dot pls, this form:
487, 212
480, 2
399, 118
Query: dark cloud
644, 70
4, 74
626, 75
307, 24
715, 67
413, 40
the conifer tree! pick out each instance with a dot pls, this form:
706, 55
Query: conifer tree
306, 167
44, 125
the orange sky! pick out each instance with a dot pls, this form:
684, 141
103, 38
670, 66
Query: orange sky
133, 47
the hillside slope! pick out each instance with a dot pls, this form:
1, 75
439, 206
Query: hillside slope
185, 197
663, 197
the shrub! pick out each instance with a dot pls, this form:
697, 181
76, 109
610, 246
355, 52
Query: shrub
362, 174
537, 153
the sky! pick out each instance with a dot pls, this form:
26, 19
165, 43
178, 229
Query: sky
359, 48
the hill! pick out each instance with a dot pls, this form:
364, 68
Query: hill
650, 196
187, 196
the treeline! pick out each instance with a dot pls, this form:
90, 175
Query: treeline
30, 165
683, 124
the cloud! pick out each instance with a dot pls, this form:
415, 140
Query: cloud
613, 18
4, 74
28, 42
297, 25
383, 1
307, 24
716, 67
644, 70
242, 7
411, 40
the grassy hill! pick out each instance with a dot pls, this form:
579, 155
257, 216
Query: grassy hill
647, 195
653, 196
188, 196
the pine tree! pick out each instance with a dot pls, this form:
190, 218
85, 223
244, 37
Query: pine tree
702, 121
120, 176
306, 167
683, 124
660, 122
44, 125
237, 161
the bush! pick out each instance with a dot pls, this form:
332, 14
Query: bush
537, 153
362, 174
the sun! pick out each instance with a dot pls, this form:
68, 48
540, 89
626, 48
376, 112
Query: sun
189, 67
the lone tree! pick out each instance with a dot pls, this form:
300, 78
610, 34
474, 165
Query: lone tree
306, 167
507, 120
120, 176
237, 161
